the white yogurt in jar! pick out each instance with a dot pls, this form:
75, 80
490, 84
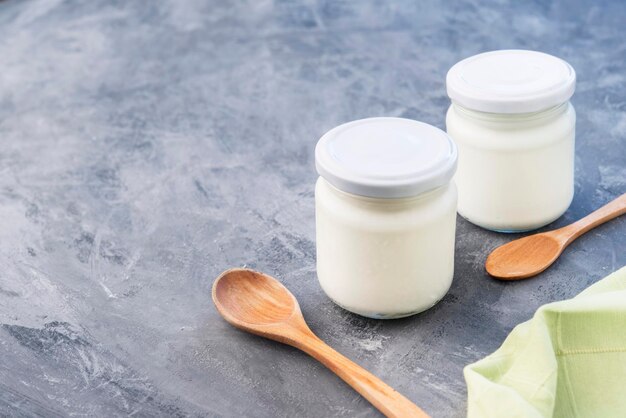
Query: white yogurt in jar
514, 127
385, 216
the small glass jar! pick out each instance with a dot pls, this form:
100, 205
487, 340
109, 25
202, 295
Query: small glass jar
514, 127
385, 216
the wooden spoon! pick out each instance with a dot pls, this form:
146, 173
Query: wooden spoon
529, 256
260, 304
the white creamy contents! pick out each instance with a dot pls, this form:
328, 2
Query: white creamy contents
385, 257
514, 127
516, 172
385, 216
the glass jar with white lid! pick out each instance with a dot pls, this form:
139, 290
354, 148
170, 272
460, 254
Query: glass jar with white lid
385, 216
514, 127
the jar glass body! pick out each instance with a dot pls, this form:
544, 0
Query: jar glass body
515, 171
385, 258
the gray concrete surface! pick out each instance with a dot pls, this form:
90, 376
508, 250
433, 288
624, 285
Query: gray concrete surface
147, 146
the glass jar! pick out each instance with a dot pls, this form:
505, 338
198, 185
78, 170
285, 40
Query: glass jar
385, 216
514, 127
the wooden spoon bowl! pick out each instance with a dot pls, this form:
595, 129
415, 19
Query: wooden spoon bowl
524, 257
253, 298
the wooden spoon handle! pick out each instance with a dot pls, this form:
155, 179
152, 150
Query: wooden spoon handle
607, 212
382, 396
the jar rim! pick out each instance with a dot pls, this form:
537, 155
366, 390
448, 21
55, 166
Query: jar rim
512, 117
387, 201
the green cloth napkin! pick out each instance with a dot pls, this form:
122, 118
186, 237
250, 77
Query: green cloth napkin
569, 360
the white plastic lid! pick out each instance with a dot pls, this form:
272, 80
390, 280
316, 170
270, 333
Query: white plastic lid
511, 81
386, 157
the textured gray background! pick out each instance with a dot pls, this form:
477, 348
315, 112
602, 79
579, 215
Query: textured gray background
147, 146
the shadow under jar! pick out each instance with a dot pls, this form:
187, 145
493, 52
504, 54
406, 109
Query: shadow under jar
514, 127
385, 216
